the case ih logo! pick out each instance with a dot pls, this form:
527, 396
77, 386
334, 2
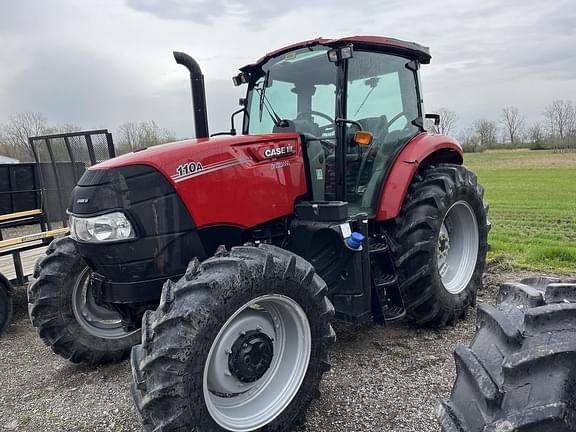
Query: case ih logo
275, 152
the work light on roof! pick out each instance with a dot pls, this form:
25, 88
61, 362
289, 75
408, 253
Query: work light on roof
337, 54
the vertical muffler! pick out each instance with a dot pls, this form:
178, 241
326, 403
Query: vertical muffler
198, 93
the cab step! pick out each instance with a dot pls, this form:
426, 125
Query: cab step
393, 312
385, 281
377, 246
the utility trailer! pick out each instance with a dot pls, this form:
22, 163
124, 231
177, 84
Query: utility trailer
36, 194
15, 273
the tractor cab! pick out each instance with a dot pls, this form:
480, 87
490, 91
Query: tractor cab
328, 91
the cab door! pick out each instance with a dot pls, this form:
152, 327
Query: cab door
382, 97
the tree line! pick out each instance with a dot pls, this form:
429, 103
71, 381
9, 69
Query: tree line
129, 136
556, 130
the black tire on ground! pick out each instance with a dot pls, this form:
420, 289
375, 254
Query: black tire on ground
435, 192
519, 374
179, 338
51, 294
5, 305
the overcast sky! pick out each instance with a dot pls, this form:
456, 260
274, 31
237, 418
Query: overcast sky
99, 63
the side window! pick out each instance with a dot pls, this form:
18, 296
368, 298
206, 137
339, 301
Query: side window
381, 92
376, 96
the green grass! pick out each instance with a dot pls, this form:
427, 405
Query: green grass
532, 197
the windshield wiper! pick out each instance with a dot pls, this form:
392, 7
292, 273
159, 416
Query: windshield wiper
265, 103
372, 83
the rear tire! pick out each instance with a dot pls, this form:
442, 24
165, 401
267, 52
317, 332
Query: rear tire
185, 373
439, 244
5, 306
519, 374
62, 309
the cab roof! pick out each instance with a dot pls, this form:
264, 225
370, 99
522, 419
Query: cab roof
376, 43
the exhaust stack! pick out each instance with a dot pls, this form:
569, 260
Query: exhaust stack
198, 93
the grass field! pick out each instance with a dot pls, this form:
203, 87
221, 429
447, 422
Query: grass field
532, 197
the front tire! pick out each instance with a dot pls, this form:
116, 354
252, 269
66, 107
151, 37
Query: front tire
439, 244
62, 308
519, 373
238, 344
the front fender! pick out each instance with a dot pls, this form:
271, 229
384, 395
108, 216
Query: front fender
423, 149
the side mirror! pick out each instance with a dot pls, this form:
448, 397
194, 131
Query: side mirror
435, 117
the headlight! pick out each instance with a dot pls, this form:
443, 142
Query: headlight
104, 228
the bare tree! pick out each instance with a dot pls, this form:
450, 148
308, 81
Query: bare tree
561, 117
513, 123
19, 128
469, 140
127, 136
132, 136
486, 131
448, 119
535, 133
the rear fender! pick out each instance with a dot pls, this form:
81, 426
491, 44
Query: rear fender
424, 149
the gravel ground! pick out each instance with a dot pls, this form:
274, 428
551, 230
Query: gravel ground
382, 378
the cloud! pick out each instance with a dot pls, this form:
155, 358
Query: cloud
107, 62
256, 12
76, 87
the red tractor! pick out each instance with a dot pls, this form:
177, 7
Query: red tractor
232, 253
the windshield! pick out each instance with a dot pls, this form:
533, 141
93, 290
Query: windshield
298, 86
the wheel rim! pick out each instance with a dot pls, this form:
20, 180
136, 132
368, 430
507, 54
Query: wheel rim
96, 320
457, 248
238, 400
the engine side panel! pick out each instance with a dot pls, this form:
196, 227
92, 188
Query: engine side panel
422, 148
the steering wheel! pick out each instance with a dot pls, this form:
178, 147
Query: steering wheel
323, 129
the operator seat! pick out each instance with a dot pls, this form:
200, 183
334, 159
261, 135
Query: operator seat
378, 126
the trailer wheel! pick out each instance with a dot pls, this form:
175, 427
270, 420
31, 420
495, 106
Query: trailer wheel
440, 244
63, 310
5, 305
238, 344
519, 373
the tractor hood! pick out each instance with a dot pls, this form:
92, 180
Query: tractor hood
241, 180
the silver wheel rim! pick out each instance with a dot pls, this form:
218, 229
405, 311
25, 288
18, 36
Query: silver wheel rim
96, 320
457, 247
238, 406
